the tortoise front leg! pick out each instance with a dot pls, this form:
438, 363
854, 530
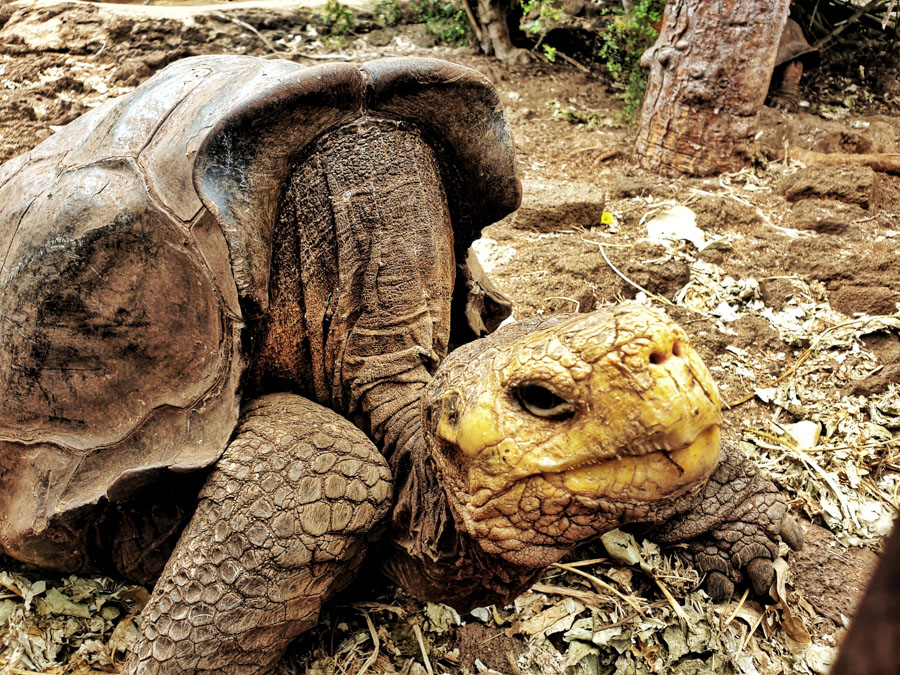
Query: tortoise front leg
732, 526
281, 524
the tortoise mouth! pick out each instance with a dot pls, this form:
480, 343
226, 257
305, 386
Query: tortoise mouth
645, 476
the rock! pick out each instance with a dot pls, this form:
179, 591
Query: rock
720, 212
851, 298
826, 216
559, 205
872, 385
755, 333
850, 184
777, 291
644, 266
52, 29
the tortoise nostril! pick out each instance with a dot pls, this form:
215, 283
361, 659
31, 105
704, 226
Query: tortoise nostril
657, 357
676, 349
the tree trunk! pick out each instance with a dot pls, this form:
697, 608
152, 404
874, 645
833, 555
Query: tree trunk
709, 72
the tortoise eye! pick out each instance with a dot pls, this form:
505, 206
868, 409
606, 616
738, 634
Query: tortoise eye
542, 402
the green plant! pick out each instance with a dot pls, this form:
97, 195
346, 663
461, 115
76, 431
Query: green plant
338, 19
549, 53
445, 20
626, 38
539, 24
388, 12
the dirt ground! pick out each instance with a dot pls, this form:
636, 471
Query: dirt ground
798, 262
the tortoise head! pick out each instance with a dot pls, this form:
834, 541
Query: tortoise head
553, 431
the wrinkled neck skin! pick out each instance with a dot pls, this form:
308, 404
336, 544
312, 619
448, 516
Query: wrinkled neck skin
361, 275
430, 555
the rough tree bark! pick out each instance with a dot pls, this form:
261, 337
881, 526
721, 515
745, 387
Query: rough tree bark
709, 72
493, 31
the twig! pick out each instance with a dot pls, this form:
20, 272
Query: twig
865, 9
621, 622
665, 591
596, 581
736, 609
588, 596
418, 632
887, 15
511, 660
371, 660
347, 659
572, 61
492, 638
861, 446
658, 298
377, 607
813, 16
588, 562
246, 26
597, 243
475, 27
750, 633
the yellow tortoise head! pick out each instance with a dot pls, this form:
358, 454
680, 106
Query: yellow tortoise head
555, 430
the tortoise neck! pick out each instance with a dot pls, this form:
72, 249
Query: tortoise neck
361, 275
430, 556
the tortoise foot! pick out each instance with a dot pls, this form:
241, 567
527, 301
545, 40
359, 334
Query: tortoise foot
281, 524
786, 96
734, 529
784, 101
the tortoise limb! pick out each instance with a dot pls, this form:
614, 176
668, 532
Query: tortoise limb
733, 527
787, 96
281, 524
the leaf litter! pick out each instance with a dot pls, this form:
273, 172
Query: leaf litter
66, 625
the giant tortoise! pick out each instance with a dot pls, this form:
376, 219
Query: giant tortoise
793, 53
225, 307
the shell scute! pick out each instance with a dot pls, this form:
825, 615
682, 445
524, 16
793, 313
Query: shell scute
107, 314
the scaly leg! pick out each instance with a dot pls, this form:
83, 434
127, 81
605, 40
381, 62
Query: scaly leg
787, 95
281, 524
733, 527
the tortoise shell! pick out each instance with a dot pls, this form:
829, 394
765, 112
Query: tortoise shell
793, 45
136, 244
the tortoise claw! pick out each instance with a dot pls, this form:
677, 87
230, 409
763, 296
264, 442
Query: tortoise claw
791, 533
734, 528
719, 586
761, 574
